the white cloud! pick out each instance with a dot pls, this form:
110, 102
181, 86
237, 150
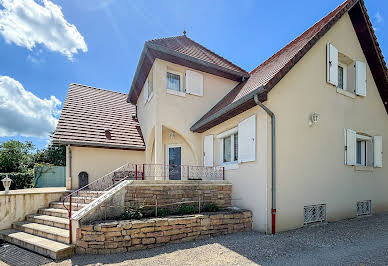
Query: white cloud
27, 23
23, 113
378, 17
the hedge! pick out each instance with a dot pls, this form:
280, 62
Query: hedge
19, 180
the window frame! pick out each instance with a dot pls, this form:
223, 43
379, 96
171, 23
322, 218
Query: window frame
344, 76
364, 158
169, 71
233, 155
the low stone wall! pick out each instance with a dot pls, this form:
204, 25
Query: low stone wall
167, 192
122, 236
17, 204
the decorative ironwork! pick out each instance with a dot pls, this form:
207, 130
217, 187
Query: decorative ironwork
364, 207
87, 193
314, 213
185, 172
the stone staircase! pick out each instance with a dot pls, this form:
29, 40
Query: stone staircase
47, 232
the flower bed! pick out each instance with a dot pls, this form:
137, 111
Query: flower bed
122, 236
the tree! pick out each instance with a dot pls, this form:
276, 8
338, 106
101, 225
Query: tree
16, 156
53, 154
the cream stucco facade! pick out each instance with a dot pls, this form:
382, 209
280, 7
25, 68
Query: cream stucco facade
310, 160
97, 162
310, 166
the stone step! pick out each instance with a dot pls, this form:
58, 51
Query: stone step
59, 205
43, 246
49, 220
82, 200
92, 194
50, 232
54, 212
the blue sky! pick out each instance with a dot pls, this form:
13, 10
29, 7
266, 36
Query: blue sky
37, 53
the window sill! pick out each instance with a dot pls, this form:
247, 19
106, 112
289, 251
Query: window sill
230, 166
177, 93
346, 93
363, 168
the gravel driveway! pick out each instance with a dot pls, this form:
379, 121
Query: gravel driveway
357, 241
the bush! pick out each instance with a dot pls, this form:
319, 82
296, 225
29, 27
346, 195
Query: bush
210, 207
132, 213
19, 180
187, 209
164, 212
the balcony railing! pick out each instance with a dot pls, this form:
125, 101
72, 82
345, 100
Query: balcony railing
141, 172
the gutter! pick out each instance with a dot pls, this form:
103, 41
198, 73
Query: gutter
273, 161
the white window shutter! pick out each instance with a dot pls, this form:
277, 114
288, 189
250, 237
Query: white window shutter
208, 151
194, 83
247, 140
145, 91
378, 151
332, 64
360, 78
350, 147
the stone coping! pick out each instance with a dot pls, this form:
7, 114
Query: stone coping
180, 182
111, 223
44, 190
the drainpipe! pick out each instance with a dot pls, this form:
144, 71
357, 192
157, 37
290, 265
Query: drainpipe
273, 151
69, 147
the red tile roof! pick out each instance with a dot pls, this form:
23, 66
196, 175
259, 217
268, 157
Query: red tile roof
264, 77
88, 111
184, 45
183, 51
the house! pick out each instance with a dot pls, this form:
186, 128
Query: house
300, 137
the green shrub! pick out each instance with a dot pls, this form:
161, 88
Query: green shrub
132, 213
19, 180
164, 212
210, 207
187, 209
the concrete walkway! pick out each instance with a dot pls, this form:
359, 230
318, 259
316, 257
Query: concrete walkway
351, 242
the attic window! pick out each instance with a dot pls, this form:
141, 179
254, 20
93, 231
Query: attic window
107, 133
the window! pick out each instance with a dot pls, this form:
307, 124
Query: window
173, 81
230, 148
363, 150
340, 77
348, 75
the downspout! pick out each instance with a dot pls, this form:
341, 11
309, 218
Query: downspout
70, 177
273, 151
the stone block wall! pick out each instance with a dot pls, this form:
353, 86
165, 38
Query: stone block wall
168, 192
122, 236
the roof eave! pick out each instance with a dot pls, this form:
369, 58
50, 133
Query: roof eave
230, 110
152, 51
96, 145
195, 60
137, 73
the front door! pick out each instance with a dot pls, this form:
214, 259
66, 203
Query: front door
174, 163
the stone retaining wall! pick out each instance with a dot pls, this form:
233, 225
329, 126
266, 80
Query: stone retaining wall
122, 236
167, 192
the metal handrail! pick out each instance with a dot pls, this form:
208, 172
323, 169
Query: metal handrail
198, 172
70, 196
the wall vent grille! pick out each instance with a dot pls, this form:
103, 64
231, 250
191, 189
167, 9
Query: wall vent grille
363, 207
314, 213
